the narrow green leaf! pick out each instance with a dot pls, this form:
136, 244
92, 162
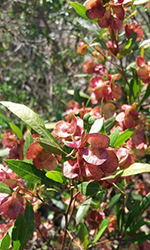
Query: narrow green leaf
28, 141
139, 238
50, 145
147, 94
16, 130
113, 200
77, 96
81, 10
28, 171
5, 243
55, 176
109, 123
83, 235
5, 189
89, 188
120, 218
123, 137
113, 137
83, 209
4, 118
102, 229
28, 116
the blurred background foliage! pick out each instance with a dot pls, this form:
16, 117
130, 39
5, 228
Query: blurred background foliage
38, 59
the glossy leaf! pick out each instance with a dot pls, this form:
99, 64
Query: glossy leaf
135, 168
16, 130
50, 145
5, 243
55, 176
102, 229
81, 10
89, 188
83, 209
113, 136
28, 171
4, 152
96, 127
28, 116
5, 189
123, 137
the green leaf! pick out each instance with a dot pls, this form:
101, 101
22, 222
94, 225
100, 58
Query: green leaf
83, 209
87, 25
123, 137
5, 243
5, 189
102, 229
139, 238
120, 218
50, 145
28, 141
113, 137
55, 176
30, 222
134, 86
4, 152
28, 116
109, 123
81, 10
16, 130
96, 127
135, 168
89, 188
28, 171
83, 235
23, 228
146, 95
127, 48
77, 96
113, 200
4, 118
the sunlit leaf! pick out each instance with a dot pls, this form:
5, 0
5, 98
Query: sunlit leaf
28, 171
123, 137
5, 189
55, 176
5, 243
135, 168
113, 136
83, 209
102, 229
81, 10
28, 116
96, 127
16, 130
50, 145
